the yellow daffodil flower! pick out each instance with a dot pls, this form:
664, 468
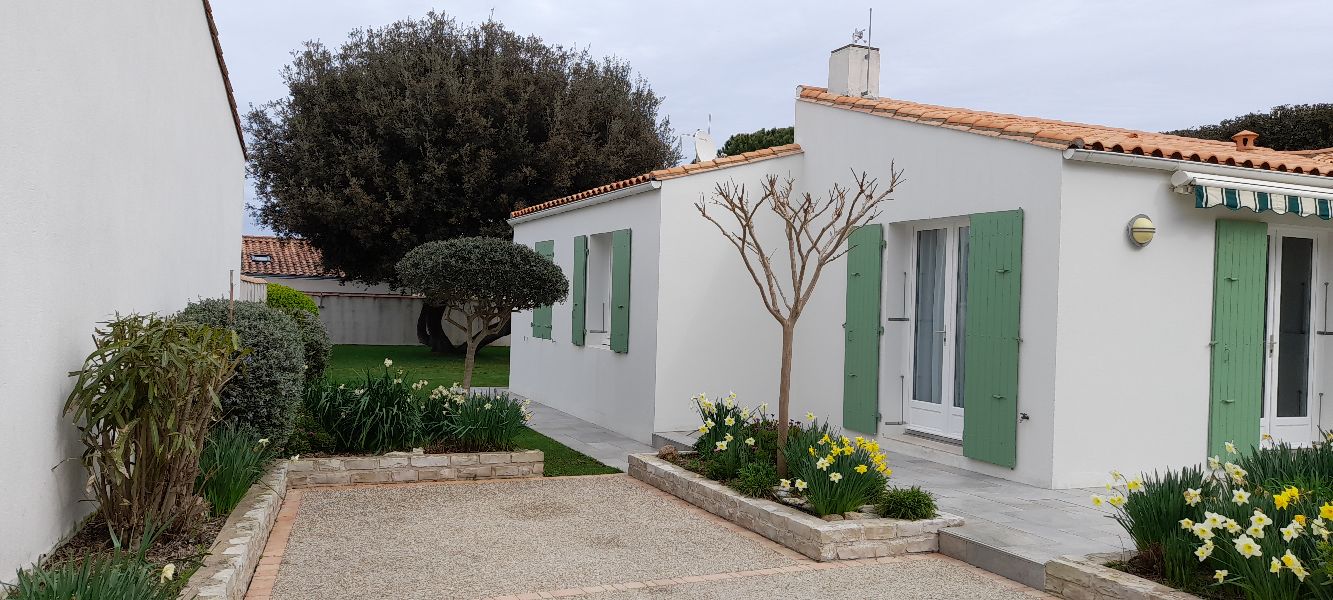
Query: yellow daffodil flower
1255, 531
861, 468
1289, 533
1230, 448
811, 417
1097, 500
1193, 496
1204, 551
822, 464
1240, 497
1116, 476
169, 571
1214, 463
784, 484
728, 437
1300, 573
749, 441
1202, 531
1220, 575
1326, 511
1186, 524
801, 484
835, 477
1275, 566
703, 428
1233, 527
729, 421
1116, 500
812, 450
1260, 519
1134, 485
1299, 519
1247, 547
722, 445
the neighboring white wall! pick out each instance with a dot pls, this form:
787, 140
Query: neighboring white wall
251, 289
1135, 324
123, 190
592, 382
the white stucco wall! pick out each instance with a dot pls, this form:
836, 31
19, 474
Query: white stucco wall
592, 382
1135, 323
123, 188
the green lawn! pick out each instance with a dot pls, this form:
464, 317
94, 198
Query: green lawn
560, 459
350, 362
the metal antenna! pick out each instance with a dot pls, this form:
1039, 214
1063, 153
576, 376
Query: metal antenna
870, 29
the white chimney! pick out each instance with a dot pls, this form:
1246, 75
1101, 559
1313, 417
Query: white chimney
853, 70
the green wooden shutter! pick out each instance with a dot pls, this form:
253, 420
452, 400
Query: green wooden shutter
541, 316
990, 385
1235, 390
860, 358
620, 259
580, 292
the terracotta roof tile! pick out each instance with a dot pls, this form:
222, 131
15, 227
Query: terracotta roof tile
1061, 134
664, 174
226, 77
291, 256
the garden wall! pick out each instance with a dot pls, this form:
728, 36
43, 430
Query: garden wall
805, 533
406, 467
231, 561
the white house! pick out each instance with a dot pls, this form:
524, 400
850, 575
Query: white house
997, 316
123, 191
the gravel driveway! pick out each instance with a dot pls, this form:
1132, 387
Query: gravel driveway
518, 538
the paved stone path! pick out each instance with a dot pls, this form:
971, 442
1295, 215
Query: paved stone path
602, 537
607, 446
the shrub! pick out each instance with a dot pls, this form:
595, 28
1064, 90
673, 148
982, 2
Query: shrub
265, 395
756, 479
911, 504
730, 436
477, 422
143, 402
119, 575
850, 475
233, 460
290, 299
316, 345
377, 415
1150, 510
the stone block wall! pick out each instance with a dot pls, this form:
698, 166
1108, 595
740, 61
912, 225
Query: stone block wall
231, 561
1088, 578
396, 467
805, 533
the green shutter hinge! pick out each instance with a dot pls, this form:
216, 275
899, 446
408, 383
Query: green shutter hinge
1001, 270
1232, 278
881, 330
1229, 401
997, 396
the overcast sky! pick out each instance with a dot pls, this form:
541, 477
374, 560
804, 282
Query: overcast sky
1142, 64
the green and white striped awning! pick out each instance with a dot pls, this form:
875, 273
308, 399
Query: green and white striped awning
1259, 196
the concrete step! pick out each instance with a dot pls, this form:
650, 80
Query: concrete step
682, 440
977, 549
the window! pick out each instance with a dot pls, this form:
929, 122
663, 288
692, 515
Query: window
261, 258
599, 290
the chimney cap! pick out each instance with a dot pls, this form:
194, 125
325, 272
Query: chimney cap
1245, 139
856, 45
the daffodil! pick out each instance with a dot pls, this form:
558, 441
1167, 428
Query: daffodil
1300, 572
703, 428
1290, 532
1281, 500
749, 441
1186, 524
824, 440
861, 469
1230, 448
811, 417
1289, 560
1255, 531
729, 421
1299, 520
1117, 500
835, 477
168, 573
721, 445
1326, 511
486, 406
263, 442
1275, 566
784, 484
1232, 527
1240, 497
1134, 485
822, 464
1260, 519
801, 484
1116, 476
1202, 531
1204, 551
1193, 496
1097, 500
1220, 575
1247, 547
388, 363
812, 450
728, 437
1213, 520
1214, 463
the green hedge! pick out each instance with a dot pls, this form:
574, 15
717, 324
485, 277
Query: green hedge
286, 298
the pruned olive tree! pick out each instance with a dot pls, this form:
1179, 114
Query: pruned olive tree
814, 231
477, 282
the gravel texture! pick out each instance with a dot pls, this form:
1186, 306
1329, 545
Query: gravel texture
470, 540
925, 579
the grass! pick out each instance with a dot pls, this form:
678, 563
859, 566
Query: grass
560, 459
350, 362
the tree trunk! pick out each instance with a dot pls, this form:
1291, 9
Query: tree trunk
469, 361
430, 330
784, 394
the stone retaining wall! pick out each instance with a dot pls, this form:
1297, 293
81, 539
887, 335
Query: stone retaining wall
814, 537
1088, 578
397, 467
231, 561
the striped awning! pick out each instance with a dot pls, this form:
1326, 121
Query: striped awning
1259, 196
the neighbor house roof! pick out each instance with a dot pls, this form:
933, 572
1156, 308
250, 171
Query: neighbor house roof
1062, 135
293, 257
226, 77
1324, 154
664, 174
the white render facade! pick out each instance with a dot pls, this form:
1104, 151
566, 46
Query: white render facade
1125, 357
123, 190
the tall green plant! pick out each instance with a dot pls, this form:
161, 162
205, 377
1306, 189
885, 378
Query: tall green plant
377, 415
143, 403
233, 460
836, 474
482, 422
120, 575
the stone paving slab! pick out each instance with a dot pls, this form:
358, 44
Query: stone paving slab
608, 447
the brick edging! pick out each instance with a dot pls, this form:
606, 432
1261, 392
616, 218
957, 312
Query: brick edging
231, 560
811, 536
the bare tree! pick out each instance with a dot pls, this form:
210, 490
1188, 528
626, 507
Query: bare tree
816, 232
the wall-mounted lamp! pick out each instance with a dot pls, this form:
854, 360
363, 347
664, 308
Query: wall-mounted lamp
1141, 230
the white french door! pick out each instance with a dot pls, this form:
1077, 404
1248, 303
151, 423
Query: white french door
1289, 337
935, 353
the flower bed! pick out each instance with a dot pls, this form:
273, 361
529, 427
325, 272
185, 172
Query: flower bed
805, 533
414, 466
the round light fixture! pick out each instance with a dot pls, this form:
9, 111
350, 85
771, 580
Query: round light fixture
1141, 230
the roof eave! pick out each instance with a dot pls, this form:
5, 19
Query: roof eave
632, 190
